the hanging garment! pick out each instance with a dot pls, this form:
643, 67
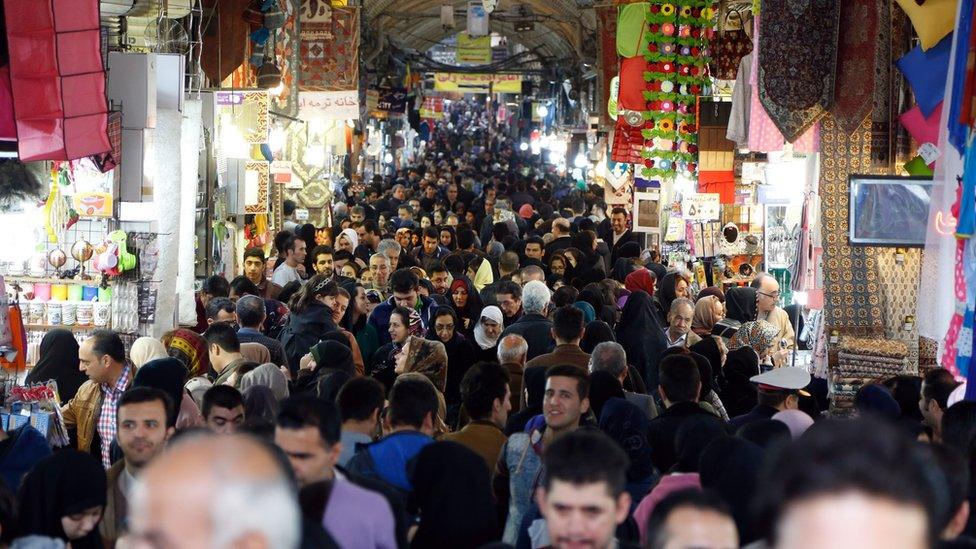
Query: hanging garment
731, 46
738, 128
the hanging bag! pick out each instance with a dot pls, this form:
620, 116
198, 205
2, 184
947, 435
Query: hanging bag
731, 46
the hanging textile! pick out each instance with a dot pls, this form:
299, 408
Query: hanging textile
606, 17
797, 62
329, 48
731, 46
854, 90
961, 66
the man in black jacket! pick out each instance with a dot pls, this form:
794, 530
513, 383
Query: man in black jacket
533, 325
679, 388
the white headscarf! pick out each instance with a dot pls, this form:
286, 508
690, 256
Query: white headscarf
269, 376
490, 312
145, 349
352, 235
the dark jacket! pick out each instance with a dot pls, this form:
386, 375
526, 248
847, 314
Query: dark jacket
275, 349
24, 447
759, 412
380, 317
537, 331
304, 330
628, 236
663, 428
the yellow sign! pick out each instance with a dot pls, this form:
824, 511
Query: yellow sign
477, 83
473, 50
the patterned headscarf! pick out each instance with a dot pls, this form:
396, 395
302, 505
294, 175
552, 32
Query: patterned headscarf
190, 348
757, 334
416, 327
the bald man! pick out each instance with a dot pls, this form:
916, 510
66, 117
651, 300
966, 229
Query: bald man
767, 305
560, 237
215, 492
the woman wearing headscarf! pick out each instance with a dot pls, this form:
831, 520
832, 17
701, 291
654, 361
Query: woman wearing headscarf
594, 295
59, 362
448, 238
486, 333
708, 312
641, 279
348, 240
642, 337
671, 287
409, 352
267, 375
708, 398
603, 387
145, 349
63, 497
483, 275
453, 493
760, 336
327, 367
310, 318
740, 307
443, 328
190, 348
731, 467
589, 314
167, 375
627, 425
307, 233
466, 302
739, 394
595, 333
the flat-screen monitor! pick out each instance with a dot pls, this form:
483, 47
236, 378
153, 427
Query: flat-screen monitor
889, 210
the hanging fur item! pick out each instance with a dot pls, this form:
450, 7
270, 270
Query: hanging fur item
17, 184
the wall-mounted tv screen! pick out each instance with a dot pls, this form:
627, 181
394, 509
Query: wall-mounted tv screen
889, 210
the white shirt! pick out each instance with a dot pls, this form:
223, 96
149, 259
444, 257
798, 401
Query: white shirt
285, 274
680, 342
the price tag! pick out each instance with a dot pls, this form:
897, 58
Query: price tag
929, 153
301, 214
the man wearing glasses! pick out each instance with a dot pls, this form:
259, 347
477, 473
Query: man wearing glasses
767, 304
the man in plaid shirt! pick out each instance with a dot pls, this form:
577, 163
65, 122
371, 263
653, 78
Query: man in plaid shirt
93, 409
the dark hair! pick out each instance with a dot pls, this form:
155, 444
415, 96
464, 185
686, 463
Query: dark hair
290, 244
773, 399
436, 266
288, 206
256, 253
359, 397
481, 385
465, 239
107, 342
410, 402
567, 370
864, 455
300, 411
321, 250
565, 296
403, 313
289, 291
139, 395
703, 500
508, 261
499, 231
242, 286
584, 240
567, 323
535, 240
679, 378
432, 232
216, 286
959, 427
510, 288
937, 385
319, 285
250, 311
618, 210
403, 280
371, 226
217, 305
955, 469
224, 336
586, 457
221, 396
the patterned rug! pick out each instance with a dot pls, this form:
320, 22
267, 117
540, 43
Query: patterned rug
852, 292
797, 62
329, 47
890, 142
854, 88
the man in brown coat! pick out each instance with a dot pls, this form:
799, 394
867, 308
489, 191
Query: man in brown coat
487, 399
567, 330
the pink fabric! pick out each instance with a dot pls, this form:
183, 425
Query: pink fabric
764, 136
668, 485
923, 129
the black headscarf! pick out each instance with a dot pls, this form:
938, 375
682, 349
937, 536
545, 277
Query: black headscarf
459, 350
666, 291
333, 367
606, 312
62, 484
534, 382
704, 372
740, 304
739, 394
596, 332
452, 489
692, 437
603, 387
627, 425
731, 466
768, 434
166, 374
642, 337
708, 348
621, 268
59, 361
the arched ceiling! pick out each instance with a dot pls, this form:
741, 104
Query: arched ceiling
562, 30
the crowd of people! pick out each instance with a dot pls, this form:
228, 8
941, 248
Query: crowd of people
479, 353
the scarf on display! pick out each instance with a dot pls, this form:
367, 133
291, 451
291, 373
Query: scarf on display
854, 96
493, 313
797, 61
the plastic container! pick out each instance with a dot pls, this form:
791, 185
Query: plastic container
42, 291
59, 292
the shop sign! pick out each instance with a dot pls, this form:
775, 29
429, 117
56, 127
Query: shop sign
372, 99
328, 105
433, 108
477, 83
473, 50
700, 206
393, 100
92, 204
281, 174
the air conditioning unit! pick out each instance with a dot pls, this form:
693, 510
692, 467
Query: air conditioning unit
141, 33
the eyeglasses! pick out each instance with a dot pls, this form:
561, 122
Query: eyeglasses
774, 295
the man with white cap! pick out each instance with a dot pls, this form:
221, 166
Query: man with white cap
778, 390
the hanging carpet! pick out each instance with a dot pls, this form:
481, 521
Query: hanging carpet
854, 88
